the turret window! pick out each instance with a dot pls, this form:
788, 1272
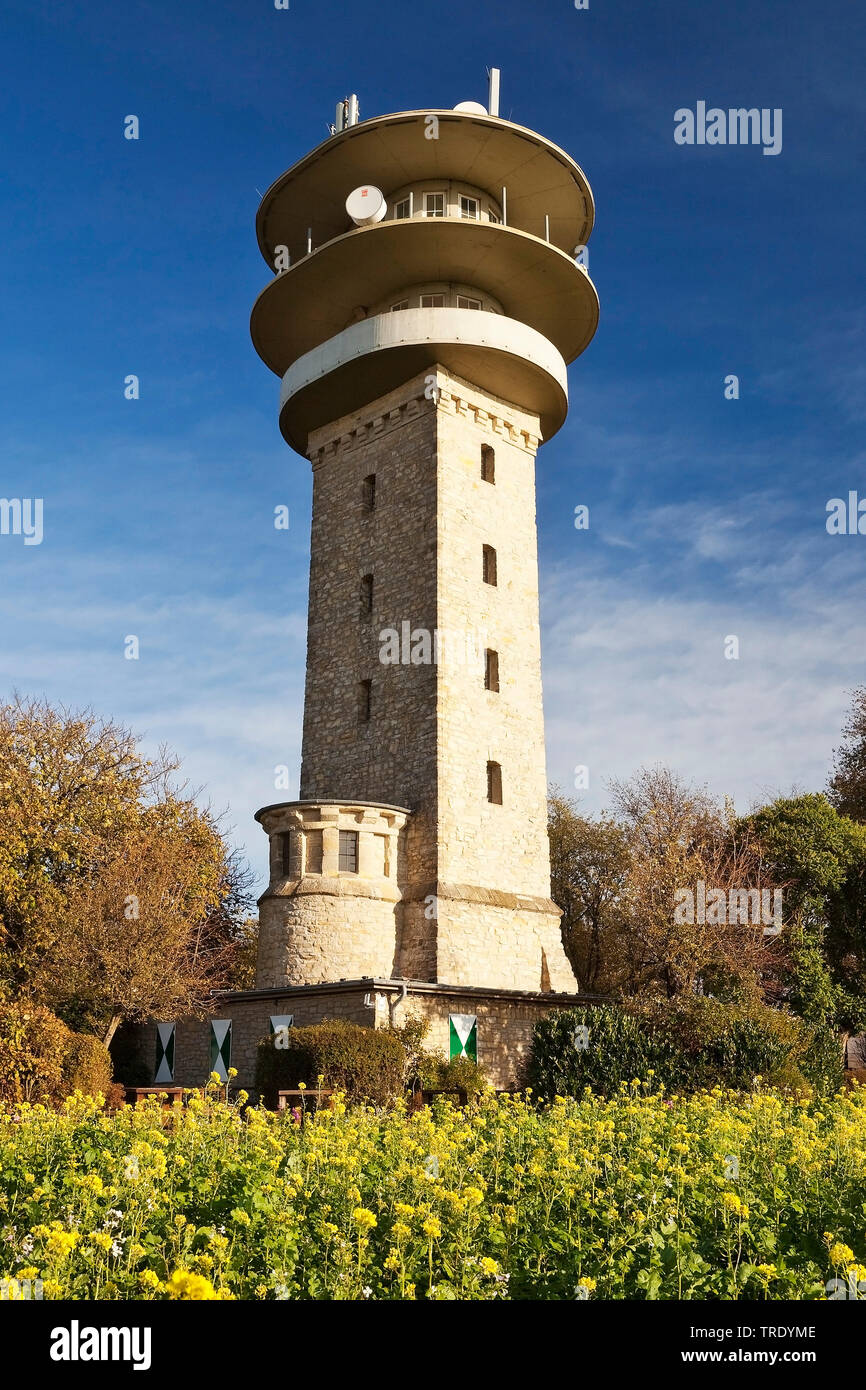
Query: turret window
395, 308
403, 208
489, 564
434, 204
432, 301
488, 464
494, 784
469, 207
464, 302
348, 851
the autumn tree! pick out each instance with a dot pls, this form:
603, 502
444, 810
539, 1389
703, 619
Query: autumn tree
119, 896
589, 862
678, 840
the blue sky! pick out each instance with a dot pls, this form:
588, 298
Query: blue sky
707, 515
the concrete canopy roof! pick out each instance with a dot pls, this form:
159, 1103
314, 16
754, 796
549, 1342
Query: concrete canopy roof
392, 151
316, 299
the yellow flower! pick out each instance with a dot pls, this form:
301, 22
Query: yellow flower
60, 1243
364, 1218
185, 1285
148, 1279
489, 1266
432, 1227
102, 1239
840, 1254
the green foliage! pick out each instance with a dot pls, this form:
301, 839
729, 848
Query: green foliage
438, 1073
366, 1064
683, 1045
42, 1061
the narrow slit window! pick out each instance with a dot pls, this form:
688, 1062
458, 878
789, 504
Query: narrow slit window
284, 843
366, 595
369, 492
489, 564
488, 463
491, 670
365, 701
348, 851
494, 783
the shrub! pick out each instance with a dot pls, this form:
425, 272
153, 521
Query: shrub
438, 1073
87, 1067
684, 1044
367, 1064
42, 1061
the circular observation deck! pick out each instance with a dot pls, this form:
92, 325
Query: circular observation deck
324, 324
542, 181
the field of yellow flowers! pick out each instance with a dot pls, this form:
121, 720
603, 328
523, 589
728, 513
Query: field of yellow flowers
719, 1196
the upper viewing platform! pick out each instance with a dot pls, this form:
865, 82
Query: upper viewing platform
471, 223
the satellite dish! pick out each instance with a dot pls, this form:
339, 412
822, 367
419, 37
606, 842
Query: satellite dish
366, 205
471, 108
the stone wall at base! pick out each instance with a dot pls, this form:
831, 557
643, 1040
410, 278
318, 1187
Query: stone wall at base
505, 1022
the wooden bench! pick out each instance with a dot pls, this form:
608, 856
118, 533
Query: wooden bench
324, 1099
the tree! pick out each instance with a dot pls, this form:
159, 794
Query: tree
847, 791
619, 880
588, 868
821, 855
119, 897
680, 843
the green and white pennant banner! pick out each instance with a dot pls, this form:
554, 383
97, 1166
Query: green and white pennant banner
164, 1053
221, 1047
463, 1030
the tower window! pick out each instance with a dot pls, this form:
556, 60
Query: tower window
493, 217
494, 783
365, 701
491, 670
465, 302
369, 492
469, 207
366, 595
489, 564
488, 464
348, 851
403, 208
284, 842
434, 204
432, 301
404, 304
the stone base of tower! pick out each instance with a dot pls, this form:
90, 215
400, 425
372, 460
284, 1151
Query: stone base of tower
504, 1024
473, 936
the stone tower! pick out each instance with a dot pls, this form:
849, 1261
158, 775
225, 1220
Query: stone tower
428, 295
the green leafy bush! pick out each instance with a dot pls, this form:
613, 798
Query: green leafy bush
367, 1064
684, 1045
438, 1073
87, 1067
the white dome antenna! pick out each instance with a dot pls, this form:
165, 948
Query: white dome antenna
471, 108
366, 205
